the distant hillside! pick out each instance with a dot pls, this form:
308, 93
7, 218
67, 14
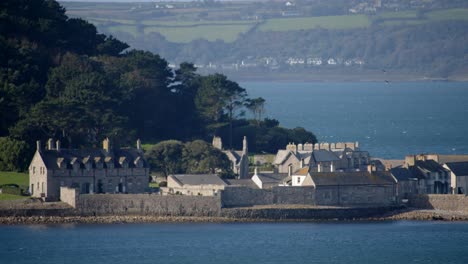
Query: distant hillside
259, 37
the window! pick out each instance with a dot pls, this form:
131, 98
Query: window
32, 189
298, 180
43, 187
34, 171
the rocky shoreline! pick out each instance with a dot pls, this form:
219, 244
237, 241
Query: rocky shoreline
408, 215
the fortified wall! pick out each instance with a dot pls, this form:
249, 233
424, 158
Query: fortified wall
446, 202
242, 196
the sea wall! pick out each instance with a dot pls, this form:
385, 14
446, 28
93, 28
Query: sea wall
307, 213
447, 202
147, 204
243, 196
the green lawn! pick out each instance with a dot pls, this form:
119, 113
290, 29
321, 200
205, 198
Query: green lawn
8, 177
327, 22
9, 197
228, 33
21, 179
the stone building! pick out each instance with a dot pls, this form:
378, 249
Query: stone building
408, 182
458, 176
436, 177
269, 180
238, 158
348, 188
322, 157
106, 170
194, 184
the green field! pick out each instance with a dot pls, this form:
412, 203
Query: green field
182, 27
227, 33
21, 179
449, 14
327, 22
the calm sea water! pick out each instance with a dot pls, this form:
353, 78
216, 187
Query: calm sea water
389, 120
388, 242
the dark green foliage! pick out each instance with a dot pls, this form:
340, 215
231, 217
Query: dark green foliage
174, 157
14, 154
60, 78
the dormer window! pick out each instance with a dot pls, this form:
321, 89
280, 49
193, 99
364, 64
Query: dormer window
109, 162
75, 163
138, 162
61, 163
123, 161
87, 163
98, 162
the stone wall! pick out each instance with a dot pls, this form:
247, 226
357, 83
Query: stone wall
355, 195
306, 213
243, 196
148, 204
439, 201
69, 196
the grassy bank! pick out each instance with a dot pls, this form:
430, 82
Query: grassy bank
20, 179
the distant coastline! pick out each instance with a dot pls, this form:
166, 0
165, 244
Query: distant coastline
337, 77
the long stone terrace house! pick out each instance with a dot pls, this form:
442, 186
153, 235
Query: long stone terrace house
349, 188
106, 170
323, 157
437, 178
410, 181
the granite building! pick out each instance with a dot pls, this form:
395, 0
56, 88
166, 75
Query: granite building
106, 170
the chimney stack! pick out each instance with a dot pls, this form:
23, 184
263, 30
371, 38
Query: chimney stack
50, 145
244, 146
289, 170
38, 146
256, 171
106, 145
57, 145
138, 145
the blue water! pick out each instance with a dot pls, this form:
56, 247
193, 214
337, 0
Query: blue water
389, 120
388, 242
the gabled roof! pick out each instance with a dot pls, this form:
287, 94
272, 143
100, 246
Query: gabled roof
417, 172
352, 178
233, 155
52, 158
198, 179
458, 168
242, 183
322, 155
403, 174
272, 177
281, 156
429, 165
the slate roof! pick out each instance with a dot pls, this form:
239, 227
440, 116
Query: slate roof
322, 155
416, 172
352, 178
403, 174
198, 179
53, 157
242, 182
281, 156
272, 177
429, 165
459, 168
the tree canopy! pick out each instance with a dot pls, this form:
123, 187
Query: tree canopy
60, 78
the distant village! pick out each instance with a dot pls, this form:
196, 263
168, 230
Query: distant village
323, 174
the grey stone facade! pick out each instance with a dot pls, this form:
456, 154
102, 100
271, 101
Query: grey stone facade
105, 170
238, 158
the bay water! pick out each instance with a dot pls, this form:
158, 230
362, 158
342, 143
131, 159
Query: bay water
334, 242
390, 120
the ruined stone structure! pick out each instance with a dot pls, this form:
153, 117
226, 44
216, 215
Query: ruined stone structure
322, 157
106, 170
239, 158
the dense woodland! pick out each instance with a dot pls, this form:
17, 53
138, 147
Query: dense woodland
60, 78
